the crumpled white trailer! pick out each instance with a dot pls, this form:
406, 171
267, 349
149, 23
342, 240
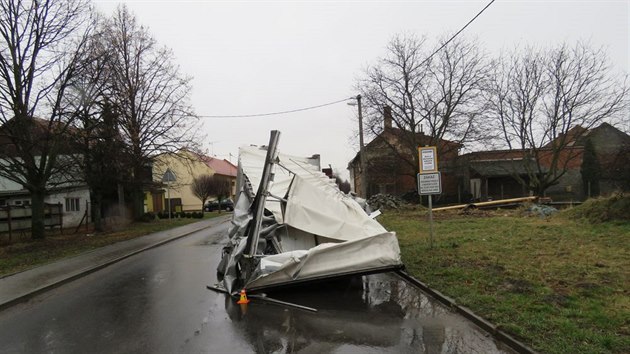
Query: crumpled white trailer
291, 224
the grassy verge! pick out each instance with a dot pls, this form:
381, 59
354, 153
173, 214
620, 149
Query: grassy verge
559, 285
20, 256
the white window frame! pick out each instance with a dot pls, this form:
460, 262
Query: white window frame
73, 204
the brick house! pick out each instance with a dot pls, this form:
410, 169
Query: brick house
495, 174
503, 174
392, 166
490, 175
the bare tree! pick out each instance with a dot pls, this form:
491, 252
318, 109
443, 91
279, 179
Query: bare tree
223, 188
516, 88
203, 187
545, 102
150, 96
95, 139
436, 95
39, 55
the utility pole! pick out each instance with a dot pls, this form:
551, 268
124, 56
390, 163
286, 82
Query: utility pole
364, 172
362, 157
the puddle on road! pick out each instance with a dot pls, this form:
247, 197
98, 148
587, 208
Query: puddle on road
377, 313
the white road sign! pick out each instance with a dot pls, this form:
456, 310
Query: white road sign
428, 159
429, 183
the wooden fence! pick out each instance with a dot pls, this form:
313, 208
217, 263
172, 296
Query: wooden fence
16, 218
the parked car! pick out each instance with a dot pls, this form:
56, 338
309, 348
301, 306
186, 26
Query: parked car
226, 204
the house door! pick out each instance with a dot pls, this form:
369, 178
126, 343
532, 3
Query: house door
158, 206
475, 188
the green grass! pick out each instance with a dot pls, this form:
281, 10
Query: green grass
598, 210
559, 285
25, 254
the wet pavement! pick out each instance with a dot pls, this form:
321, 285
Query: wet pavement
20, 286
372, 314
157, 302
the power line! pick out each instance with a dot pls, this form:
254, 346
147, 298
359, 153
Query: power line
456, 34
276, 113
345, 99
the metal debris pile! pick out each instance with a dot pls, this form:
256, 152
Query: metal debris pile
291, 224
541, 210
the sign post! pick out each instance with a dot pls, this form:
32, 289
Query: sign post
430, 221
169, 177
429, 179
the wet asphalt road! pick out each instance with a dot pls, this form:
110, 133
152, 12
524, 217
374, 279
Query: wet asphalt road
157, 302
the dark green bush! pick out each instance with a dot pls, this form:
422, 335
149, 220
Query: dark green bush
147, 217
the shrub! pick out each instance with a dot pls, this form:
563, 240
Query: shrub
597, 210
147, 217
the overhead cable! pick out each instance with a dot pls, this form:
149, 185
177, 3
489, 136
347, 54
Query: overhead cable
456, 34
276, 113
345, 99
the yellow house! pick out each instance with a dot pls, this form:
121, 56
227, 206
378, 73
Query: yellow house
186, 166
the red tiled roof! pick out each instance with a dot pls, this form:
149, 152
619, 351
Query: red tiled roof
220, 167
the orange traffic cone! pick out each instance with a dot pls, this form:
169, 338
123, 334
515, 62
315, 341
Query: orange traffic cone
243, 299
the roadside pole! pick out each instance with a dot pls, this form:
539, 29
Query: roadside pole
168, 192
430, 220
168, 178
429, 180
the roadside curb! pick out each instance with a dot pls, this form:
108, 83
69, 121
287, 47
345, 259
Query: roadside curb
25, 297
487, 326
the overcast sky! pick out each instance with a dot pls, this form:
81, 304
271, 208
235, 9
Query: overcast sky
251, 57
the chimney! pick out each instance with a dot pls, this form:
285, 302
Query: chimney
387, 117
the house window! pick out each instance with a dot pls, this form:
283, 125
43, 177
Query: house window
3, 202
72, 204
